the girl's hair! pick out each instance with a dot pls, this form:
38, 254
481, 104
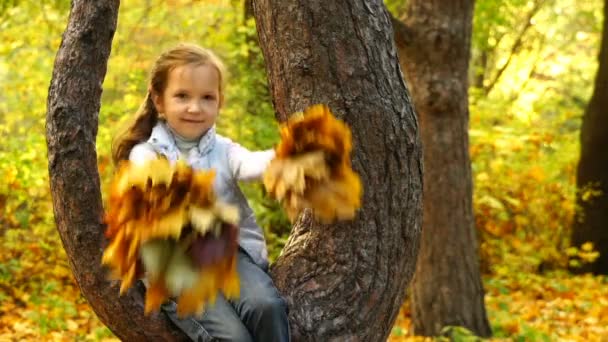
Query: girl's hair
140, 127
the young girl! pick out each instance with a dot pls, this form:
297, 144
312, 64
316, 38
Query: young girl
177, 120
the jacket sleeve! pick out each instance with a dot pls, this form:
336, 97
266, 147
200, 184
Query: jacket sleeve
248, 165
141, 153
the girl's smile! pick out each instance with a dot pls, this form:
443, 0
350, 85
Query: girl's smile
191, 101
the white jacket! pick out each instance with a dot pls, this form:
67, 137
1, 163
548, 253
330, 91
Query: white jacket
231, 162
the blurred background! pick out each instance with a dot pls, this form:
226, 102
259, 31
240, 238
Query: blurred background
532, 72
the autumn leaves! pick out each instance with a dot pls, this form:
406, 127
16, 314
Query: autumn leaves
166, 221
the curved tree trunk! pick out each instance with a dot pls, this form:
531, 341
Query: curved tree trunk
72, 110
434, 44
591, 224
343, 282
346, 281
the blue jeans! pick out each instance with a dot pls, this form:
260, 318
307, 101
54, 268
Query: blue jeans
259, 314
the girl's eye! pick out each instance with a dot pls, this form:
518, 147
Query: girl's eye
180, 95
209, 97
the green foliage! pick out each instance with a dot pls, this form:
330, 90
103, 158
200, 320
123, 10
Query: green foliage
495, 19
22, 100
523, 144
524, 133
459, 334
396, 7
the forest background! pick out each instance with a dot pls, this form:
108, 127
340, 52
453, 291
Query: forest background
531, 80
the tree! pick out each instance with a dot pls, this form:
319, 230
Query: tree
434, 49
347, 281
72, 113
342, 281
591, 222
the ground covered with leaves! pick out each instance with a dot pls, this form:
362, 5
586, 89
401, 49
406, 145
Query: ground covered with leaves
40, 301
525, 119
529, 307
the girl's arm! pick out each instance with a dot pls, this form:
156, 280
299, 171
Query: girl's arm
248, 165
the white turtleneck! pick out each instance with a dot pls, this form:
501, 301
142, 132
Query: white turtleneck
184, 145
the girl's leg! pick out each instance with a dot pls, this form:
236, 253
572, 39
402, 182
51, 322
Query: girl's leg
219, 323
260, 306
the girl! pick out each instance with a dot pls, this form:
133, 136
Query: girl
177, 120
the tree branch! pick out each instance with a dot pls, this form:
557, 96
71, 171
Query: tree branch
71, 127
516, 46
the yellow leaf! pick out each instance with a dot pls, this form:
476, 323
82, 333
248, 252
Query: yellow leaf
180, 273
156, 294
227, 213
587, 246
202, 219
71, 325
155, 256
536, 173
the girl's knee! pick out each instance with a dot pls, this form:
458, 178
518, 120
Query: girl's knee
269, 306
235, 332
227, 329
266, 318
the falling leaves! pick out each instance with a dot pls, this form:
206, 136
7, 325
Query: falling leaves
165, 221
312, 168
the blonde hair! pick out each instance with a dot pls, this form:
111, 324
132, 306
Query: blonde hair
140, 127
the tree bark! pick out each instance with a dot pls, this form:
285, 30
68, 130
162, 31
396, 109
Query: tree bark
343, 282
347, 281
447, 288
591, 223
72, 117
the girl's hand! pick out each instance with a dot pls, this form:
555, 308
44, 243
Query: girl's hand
312, 167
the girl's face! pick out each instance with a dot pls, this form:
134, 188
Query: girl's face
191, 101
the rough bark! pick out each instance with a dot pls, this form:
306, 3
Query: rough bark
346, 282
434, 52
343, 282
72, 117
591, 224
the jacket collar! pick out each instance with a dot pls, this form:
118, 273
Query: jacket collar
163, 140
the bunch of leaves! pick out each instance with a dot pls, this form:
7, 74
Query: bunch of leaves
166, 221
312, 167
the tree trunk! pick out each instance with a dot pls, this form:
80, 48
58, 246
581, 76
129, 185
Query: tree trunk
72, 111
591, 225
343, 282
347, 281
434, 44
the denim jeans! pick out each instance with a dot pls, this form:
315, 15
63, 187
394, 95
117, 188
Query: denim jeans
259, 314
